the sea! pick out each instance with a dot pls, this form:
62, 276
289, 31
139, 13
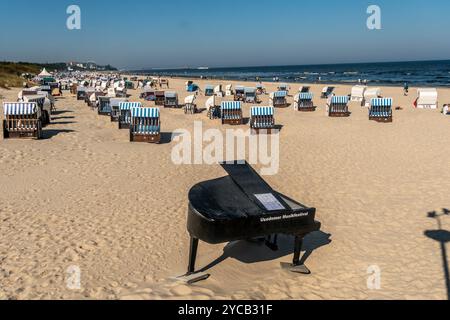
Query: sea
420, 73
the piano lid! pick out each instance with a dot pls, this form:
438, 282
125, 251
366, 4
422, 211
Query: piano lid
242, 194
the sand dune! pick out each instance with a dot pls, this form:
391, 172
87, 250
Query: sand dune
84, 196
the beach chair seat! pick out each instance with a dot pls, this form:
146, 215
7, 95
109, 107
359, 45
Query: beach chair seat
231, 112
213, 109
250, 95
381, 110
239, 93
218, 91
22, 120
338, 106
262, 119
115, 108
229, 90
369, 94
148, 94
190, 106
170, 99
104, 106
357, 94
303, 101
125, 113
145, 125
81, 93
278, 99
260, 89
43, 104
164, 83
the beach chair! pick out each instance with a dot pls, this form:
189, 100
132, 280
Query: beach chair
250, 95
81, 93
209, 91
111, 92
170, 99
327, 92
303, 102
358, 93
189, 104
278, 99
369, 94
262, 119
191, 86
231, 112
381, 110
160, 98
104, 107
164, 83
229, 90
427, 98
21, 120
337, 106
115, 108
125, 113
145, 125
239, 93
218, 91
213, 109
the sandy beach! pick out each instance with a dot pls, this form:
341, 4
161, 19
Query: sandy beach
85, 196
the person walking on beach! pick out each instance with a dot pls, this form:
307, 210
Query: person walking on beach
405, 89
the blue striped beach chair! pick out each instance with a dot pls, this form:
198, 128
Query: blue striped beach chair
239, 93
125, 113
209, 91
250, 95
115, 108
145, 125
262, 118
231, 112
304, 102
170, 99
381, 109
278, 99
338, 106
104, 106
21, 120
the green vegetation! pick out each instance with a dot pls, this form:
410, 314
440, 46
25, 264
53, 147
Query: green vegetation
10, 73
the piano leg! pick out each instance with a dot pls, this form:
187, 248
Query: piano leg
296, 265
192, 255
191, 276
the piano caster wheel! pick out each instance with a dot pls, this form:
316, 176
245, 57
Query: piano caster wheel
301, 268
191, 278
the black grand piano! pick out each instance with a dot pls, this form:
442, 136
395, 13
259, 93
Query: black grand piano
242, 206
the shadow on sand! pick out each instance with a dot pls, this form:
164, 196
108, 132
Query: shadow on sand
48, 134
249, 252
443, 237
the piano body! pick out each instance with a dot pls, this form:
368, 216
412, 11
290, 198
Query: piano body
243, 206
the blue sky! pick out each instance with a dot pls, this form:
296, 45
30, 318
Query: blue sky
173, 33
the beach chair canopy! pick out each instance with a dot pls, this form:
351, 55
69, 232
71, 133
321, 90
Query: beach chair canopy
231, 105
262, 111
115, 102
283, 86
339, 100
372, 92
278, 94
19, 108
209, 87
381, 102
145, 112
218, 88
427, 95
170, 94
249, 90
128, 105
240, 88
358, 91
